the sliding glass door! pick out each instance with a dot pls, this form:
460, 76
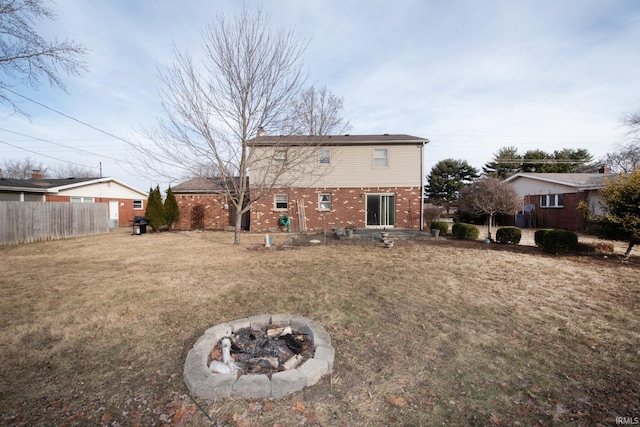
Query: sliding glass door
381, 210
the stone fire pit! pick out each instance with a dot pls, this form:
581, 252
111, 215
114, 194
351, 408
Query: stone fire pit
215, 386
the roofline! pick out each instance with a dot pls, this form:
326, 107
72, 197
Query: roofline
57, 189
95, 181
24, 189
333, 140
532, 175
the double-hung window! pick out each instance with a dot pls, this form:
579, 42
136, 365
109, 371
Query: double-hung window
281, 202
325, 156
280, 156
380, 157
324, 202
137, 204
551, 201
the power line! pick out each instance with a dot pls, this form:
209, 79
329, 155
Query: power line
44, 155
68, 116
60, 145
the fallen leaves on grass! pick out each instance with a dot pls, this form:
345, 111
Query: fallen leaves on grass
298, 407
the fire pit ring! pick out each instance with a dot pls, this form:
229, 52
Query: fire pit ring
203, 383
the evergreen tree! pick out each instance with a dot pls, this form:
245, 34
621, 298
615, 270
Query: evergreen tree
506, 162
445, 181
171, 209
155, 210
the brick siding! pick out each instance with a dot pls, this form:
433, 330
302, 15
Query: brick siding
348, 208
216, 216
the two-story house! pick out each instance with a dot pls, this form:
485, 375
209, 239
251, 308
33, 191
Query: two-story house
315, 183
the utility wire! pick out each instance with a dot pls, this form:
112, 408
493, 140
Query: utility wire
68, 116
44, 155
60, 145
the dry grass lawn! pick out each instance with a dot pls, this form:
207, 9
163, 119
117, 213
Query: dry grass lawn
95, 330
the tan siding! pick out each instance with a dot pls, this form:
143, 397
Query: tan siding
352, 166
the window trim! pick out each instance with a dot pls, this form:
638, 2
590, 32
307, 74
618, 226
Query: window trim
275, 202
551, 201
374, 158
324, 159
320, 201
280, 156
80, 199
141, 205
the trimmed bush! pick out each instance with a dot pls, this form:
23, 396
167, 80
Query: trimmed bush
466, 231
454, 228
560, 241
443, 226
508, 235
538, 236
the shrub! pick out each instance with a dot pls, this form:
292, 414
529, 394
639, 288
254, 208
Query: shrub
560, 241
454, 228
538, 236
466, 231
510, 235
597, 247
443, 226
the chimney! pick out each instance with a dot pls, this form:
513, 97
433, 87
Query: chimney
36, 174
260, 131
604, 169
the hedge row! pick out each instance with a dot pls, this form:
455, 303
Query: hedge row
443, 226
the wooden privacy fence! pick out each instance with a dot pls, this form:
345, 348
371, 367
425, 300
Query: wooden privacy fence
25, 222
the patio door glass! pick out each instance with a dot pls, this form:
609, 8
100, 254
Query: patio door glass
381, 210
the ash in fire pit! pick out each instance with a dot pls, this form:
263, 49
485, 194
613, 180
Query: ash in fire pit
263, 351
244, 353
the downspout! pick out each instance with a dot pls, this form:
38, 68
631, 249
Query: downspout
422, 185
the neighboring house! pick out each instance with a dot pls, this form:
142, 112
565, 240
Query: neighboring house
358, 181
124, 201
204, 205
550, 200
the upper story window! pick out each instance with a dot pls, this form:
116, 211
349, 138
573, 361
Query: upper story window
380, 157
324, 202
82, 200
325, 156
281, 201
551, 201
280, 156
137, 204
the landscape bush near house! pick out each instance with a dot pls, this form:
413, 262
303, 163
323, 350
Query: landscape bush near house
465, 231
538, 236
443, 226
508, 235
560, 241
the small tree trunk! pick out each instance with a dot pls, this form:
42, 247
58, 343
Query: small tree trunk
238, 227
489, 226
628, 252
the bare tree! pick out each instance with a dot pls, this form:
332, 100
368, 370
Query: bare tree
626, 160
248, 79
22, 168
489, 196
27, 57
318, 112
72, 171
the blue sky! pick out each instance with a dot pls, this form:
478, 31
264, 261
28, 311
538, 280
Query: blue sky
472, 76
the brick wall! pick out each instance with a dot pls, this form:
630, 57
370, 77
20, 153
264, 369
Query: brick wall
567, 217
215, 215
348, 208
